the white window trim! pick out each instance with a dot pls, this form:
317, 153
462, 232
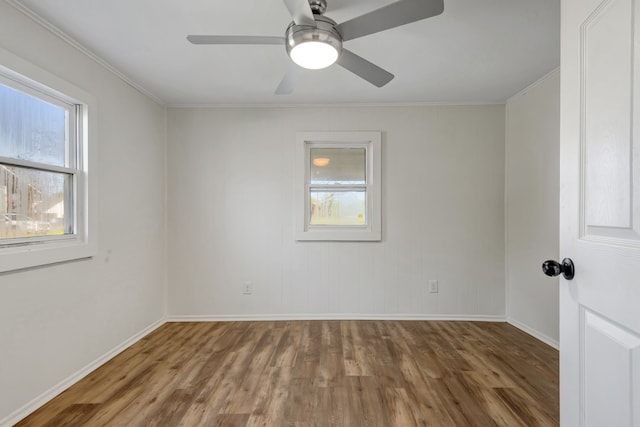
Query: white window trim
372, 231
84, 243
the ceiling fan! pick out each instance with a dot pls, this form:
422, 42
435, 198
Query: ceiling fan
314, 41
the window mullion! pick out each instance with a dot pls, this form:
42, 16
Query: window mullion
337, 187
8, 161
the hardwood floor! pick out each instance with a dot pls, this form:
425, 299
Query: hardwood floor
319, 373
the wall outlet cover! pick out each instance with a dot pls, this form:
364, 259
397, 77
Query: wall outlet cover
247, 288
433, 286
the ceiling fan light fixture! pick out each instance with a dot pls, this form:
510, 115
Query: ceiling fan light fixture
314, 55
314, 47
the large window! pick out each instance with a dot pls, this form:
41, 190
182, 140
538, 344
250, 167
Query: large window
38, 164
338, 186
44, 163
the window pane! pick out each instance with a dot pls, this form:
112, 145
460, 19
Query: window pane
31, 129
32, 202
337, 166
337, 207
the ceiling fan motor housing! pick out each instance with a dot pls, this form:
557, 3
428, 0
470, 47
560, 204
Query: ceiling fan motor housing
324, 32
318, 7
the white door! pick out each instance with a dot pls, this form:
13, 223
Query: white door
600, 213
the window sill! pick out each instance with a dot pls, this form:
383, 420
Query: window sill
348, 235
26, 256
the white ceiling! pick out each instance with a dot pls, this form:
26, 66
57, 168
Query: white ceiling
477, 51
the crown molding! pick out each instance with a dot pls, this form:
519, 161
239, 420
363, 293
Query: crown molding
538, 82
83, 49
340, 105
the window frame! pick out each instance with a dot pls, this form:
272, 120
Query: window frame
80, 158
371, 141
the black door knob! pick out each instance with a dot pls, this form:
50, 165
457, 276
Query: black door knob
554, 268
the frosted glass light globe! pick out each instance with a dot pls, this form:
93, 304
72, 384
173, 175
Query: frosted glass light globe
314, 55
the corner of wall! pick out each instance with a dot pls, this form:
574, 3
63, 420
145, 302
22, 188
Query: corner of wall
166, 217
507, 305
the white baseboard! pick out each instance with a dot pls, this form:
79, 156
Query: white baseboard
534, 333
331, 316
36, 403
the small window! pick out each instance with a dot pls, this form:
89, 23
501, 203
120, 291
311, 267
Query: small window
44, 196
338, 181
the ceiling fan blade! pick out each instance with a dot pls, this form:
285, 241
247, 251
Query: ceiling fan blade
363, 68
399, 13
301, 12
235, 40
289, 81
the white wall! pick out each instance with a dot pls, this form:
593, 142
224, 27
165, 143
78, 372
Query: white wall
230, 186
532, 205
56, 320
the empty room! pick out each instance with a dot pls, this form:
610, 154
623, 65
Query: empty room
319, 213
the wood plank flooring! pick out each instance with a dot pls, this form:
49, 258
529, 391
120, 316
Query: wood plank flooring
319, 373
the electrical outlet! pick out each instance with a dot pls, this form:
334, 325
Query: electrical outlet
247, 288
433, 286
